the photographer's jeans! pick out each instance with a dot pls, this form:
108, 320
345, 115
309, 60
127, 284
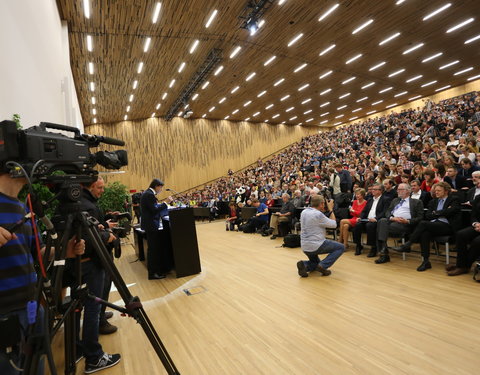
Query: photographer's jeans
18, 355
333, 248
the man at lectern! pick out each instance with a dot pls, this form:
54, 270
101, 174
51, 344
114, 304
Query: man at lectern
159, 257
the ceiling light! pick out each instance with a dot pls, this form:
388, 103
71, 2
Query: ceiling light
414, 78
235, 52
417, 46
377, 66
449, 64
262, 93
186, 106
210, 19
269, 106
369, 113
275, 116
164, 95
261, 23
399, 2
172, 82
330, 47
310, 119
303, 87
339, 116
267, 120
289, 109
362, 99
135, 84
307, 112
432, 57
256, 114
324, 104
204, 115
353, 58
181, 67
94, 120
429, 83
324, 114
235, 111
325, 91
297, 69
400, 94
180, 114
306, 101
472, 39
280, 2
247, 103
269, 60
342, 107
391, 37
158, 106
89, 43
125, 118
140, 68
391, 105
226, 117
353, 118
86, 8
90, 67
284, 98
279, 82
356, 110
194, 46
461, 24
443, 88
344, 95
292, 118
362, 26
130, 99
234, 90
463, 71
435, 12
219, 69
93, 100
211, 109
323, 122
222, 100
247, 119
330, 10
378, 102
249, 77
348, 80
326, 74
147, 44
194, 97
92, 86
473, 77
368, 85
396, 73
156, 12
415, 97
385, 90
94, 111
294, 40
337, 123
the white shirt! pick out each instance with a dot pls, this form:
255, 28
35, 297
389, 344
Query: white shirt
403, 211
416, 195
372, 214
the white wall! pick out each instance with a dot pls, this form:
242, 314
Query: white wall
35, 76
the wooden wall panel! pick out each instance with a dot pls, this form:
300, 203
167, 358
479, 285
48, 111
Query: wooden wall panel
187, 153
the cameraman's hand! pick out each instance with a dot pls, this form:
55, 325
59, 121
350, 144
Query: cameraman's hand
101, 227
330, 204
111, 238
6, 236
112, 224
75, 248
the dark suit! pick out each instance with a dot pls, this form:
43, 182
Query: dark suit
470, 196
468, 240
159, 253
424, 197
432, 227
369, 227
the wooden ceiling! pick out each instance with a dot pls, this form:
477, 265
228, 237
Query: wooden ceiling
119, 29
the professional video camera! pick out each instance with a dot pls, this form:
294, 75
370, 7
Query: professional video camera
125, 223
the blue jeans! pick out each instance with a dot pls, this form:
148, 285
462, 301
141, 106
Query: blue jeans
17, 355
333, 248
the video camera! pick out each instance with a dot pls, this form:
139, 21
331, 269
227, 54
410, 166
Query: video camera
123, 230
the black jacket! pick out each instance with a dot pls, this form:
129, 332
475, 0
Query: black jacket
150, 211
425, 197
460, 182
451, 211
382, 206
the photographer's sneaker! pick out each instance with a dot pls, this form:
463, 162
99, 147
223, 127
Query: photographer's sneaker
105, 361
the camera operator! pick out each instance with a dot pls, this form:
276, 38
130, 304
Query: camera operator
18, 278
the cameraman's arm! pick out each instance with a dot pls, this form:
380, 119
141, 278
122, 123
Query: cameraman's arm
6, 236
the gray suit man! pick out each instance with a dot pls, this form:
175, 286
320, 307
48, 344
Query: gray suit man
403, 214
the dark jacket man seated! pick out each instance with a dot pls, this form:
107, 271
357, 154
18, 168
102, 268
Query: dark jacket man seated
286, 214
403, 214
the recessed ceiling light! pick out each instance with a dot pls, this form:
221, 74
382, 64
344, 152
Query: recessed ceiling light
449, 64
330, 47
194, 97
298, 68
226, 117
325, 91
279, 82
294, 40
222, 100
158, 106
235, 111
86, 8
262, 93
261, 23
89, 43
330, 10
443, 88
435, 12
303, 87
309, 120
324, 114
250, 76
461, 24
339, 116
415, 97
269, 106
140, 67
348, 80
324, 104
396, 73
94, 120
275, 116
400, 2
172, 82
388, 39
362, 26
385, 90
338, 123
219, 69
356, 110
391, 105
247, 119
269, 60
92, 86
280, 2
411, 49
135, 84
344, 95
473, 77
472, 39
323, 122
289, 109
342, 107
284, 98
204, 115
326, 74
368, 85
246, 104
181, 67
211, 109
180, 114
292, 118
130, 99
267, 120
377, 66
186, 106
93, 100
432, 57
400, 94
164, 95
306, 101
256, 114
147, 44
429, 83
377, 102
94, 111
156, 12
194, 46
356, 57
90, 67
414, 78
362, 99
463, 71
234, 90
353, 118
211, 18
125, 118
307, 112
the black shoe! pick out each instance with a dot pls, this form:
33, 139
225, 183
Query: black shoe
156, 276
424, 266
405, 248
358, 249
105, 361
108, 314
274, 237
323, 271
107, 329
302, 270
383, 259
372, 253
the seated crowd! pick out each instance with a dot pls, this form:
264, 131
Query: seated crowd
413, 175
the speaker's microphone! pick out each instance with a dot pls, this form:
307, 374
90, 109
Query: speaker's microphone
173, 191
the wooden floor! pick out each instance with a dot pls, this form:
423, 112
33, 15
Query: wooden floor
255, 315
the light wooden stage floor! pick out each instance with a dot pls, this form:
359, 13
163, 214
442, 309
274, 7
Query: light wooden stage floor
257, 316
